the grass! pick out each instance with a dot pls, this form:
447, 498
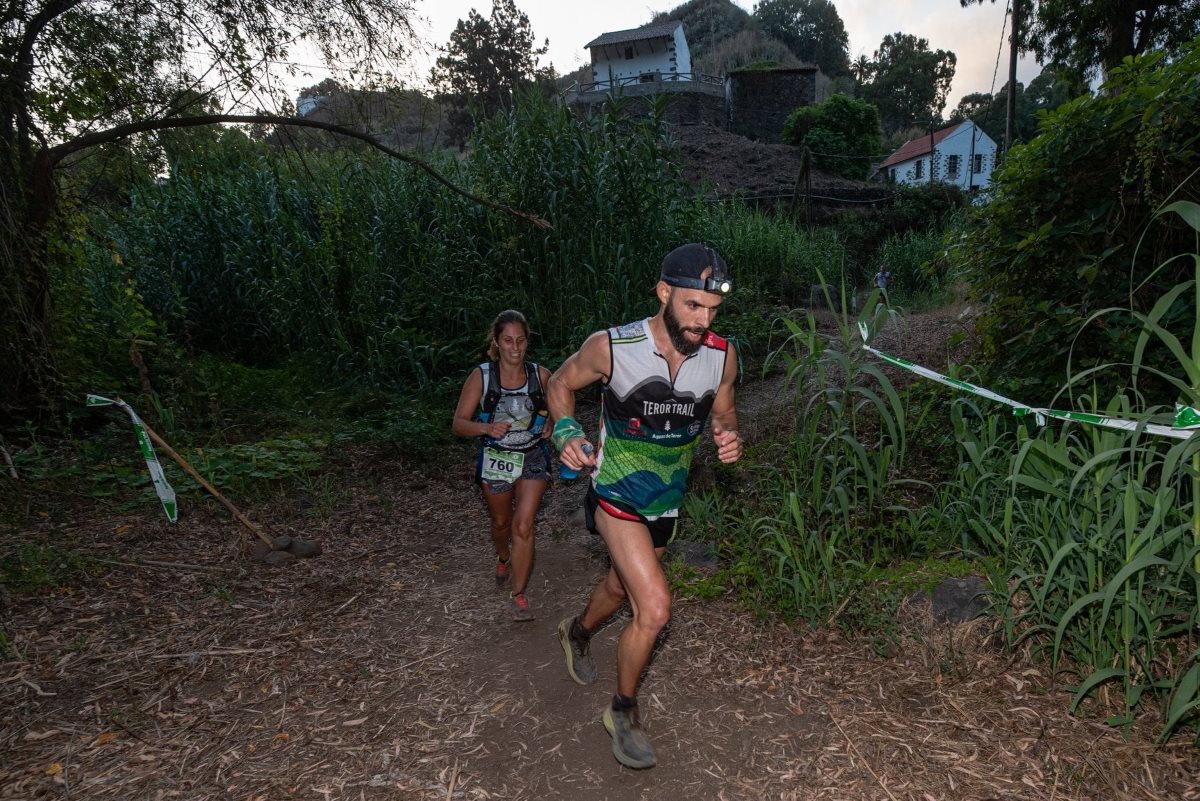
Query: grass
31, 567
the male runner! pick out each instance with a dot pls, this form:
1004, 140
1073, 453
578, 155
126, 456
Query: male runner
662, 378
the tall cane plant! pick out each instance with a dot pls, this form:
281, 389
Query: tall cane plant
1100, 533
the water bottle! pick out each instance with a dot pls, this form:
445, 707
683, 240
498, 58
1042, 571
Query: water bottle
568, 473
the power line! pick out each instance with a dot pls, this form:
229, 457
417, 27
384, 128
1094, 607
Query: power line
1000, 48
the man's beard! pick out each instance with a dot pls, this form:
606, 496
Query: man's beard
675, 331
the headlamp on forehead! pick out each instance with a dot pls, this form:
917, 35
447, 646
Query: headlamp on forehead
718, 281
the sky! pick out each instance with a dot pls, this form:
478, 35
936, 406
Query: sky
972, 34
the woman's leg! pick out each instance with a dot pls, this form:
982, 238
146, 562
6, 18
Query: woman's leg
500, 511
529, 494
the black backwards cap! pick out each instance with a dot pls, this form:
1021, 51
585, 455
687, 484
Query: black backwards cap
684, 265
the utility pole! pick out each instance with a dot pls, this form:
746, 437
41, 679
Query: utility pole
971, 160
932, 153
1011, 110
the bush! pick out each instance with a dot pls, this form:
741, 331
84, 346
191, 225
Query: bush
1066, 232
843, 135
345, 269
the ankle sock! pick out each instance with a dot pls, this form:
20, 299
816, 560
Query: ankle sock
578, 632
623, 703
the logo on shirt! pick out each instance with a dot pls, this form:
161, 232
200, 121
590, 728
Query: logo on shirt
670, 407
633, 428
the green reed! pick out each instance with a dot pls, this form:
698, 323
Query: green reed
375, 273
1097, 534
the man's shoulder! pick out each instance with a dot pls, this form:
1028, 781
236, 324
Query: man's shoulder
629, 332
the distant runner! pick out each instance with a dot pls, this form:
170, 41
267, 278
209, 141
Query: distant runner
662, 378
513, 465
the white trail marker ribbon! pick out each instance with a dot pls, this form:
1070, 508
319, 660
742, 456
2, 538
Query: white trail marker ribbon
1187, 419
166, 494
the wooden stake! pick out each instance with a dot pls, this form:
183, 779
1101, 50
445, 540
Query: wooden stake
191, 471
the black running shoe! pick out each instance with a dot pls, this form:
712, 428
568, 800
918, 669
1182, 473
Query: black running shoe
580, 664
630, 745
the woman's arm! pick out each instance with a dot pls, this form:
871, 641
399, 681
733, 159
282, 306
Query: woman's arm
465, 424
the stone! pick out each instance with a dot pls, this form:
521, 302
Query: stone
304, 549
696, 554
259, 550
824, 296
958, 600
278, 558
281, 543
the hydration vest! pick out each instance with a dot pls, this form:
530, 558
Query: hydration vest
492, 389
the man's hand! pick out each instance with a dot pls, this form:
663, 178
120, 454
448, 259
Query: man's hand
729, 444
574, 456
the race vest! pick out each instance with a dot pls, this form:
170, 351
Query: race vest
649, 425
518, 406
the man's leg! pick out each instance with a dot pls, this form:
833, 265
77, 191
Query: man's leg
637, 569
638, 573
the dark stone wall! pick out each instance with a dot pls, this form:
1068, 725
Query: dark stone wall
754, 103
759, 101
683, 108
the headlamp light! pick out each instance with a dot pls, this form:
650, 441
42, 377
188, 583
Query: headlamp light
722, 286
719, 286
716, 283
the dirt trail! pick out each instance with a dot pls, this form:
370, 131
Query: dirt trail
388, 669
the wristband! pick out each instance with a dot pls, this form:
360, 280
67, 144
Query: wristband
565, 429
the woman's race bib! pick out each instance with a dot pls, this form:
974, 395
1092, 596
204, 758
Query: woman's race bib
501, 465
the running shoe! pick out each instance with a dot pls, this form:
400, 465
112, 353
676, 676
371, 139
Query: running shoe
630, 746
522, 613
503, 572
580, 664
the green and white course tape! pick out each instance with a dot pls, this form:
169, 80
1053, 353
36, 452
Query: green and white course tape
166, 494
1187, 419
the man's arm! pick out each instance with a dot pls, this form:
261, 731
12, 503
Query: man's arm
724, 412
582, 368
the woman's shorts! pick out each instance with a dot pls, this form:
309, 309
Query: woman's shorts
535, 468
661, 530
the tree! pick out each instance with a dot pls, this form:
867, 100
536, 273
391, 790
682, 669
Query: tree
1095, 36
861, 69
80, 74
486, 62
709, 24
723, 37
1053, 87
812, 30
908, 82
1056, 85
1072, 226
82, 69
989, 112
842, 134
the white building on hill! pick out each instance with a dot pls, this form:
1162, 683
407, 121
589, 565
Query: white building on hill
652, 53
962, 155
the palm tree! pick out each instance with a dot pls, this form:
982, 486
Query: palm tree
861, 69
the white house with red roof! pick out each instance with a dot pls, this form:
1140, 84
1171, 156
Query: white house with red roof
657, 52
962, 155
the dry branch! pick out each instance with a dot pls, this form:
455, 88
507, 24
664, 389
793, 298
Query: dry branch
191, 471
57, 153
12, 469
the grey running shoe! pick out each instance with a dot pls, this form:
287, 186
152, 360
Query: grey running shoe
503, 572
522, 613
631, 746
580, 664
